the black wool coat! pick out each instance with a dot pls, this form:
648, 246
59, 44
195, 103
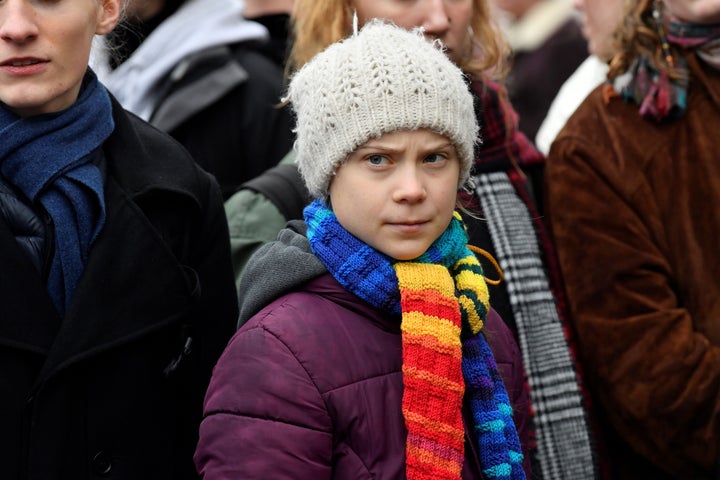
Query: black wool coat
114, 389
224, 108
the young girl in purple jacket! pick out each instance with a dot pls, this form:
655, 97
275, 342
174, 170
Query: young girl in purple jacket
363, 352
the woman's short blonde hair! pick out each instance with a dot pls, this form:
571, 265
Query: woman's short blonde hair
316, 24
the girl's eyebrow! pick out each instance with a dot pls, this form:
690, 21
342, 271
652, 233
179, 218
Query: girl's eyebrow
387, 148
377, 147
441, 146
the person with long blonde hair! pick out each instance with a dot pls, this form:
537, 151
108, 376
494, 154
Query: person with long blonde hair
478, 49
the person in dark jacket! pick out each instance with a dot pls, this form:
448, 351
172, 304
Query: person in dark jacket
363, 354
115, 280
201, 72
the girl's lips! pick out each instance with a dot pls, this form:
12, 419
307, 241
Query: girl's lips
23, 66
412, 227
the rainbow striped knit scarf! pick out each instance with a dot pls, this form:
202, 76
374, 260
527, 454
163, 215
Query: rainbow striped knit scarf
443, 300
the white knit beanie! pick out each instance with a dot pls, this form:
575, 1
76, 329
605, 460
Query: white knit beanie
379, 80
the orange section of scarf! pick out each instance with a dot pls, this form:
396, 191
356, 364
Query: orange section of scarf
432, 371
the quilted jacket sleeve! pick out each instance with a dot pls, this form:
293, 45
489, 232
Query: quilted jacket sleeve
263, 416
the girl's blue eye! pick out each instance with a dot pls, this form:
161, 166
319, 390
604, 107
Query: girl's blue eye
376, 159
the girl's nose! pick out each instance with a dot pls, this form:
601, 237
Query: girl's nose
410, 186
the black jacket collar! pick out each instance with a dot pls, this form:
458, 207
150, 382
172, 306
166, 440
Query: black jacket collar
140, 166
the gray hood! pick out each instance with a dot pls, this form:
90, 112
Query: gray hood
277, 268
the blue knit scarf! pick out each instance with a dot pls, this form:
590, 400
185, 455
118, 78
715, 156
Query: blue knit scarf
370, 275
48, 158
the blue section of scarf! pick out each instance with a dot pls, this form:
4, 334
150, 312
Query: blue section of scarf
48, 158
369, 274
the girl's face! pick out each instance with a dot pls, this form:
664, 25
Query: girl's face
397, 193
696, 11
44, 50
448, 20
600, 18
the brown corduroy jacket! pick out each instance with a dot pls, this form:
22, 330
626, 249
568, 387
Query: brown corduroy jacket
634, 208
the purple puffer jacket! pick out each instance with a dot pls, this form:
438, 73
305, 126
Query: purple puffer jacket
311, 386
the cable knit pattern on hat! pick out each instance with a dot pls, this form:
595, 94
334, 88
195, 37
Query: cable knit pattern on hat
360, 88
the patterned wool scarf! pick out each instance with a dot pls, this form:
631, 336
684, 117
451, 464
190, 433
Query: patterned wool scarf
440, 296
658, 95
48, 158
520, 242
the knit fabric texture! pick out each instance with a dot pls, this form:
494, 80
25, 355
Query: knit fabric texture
379, 80
48, 157
442, 298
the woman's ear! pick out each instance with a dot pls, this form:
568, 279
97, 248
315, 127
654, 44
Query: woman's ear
108, 16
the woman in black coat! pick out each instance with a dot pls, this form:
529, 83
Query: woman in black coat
116, 289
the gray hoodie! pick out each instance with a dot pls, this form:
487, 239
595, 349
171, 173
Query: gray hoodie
277, 268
